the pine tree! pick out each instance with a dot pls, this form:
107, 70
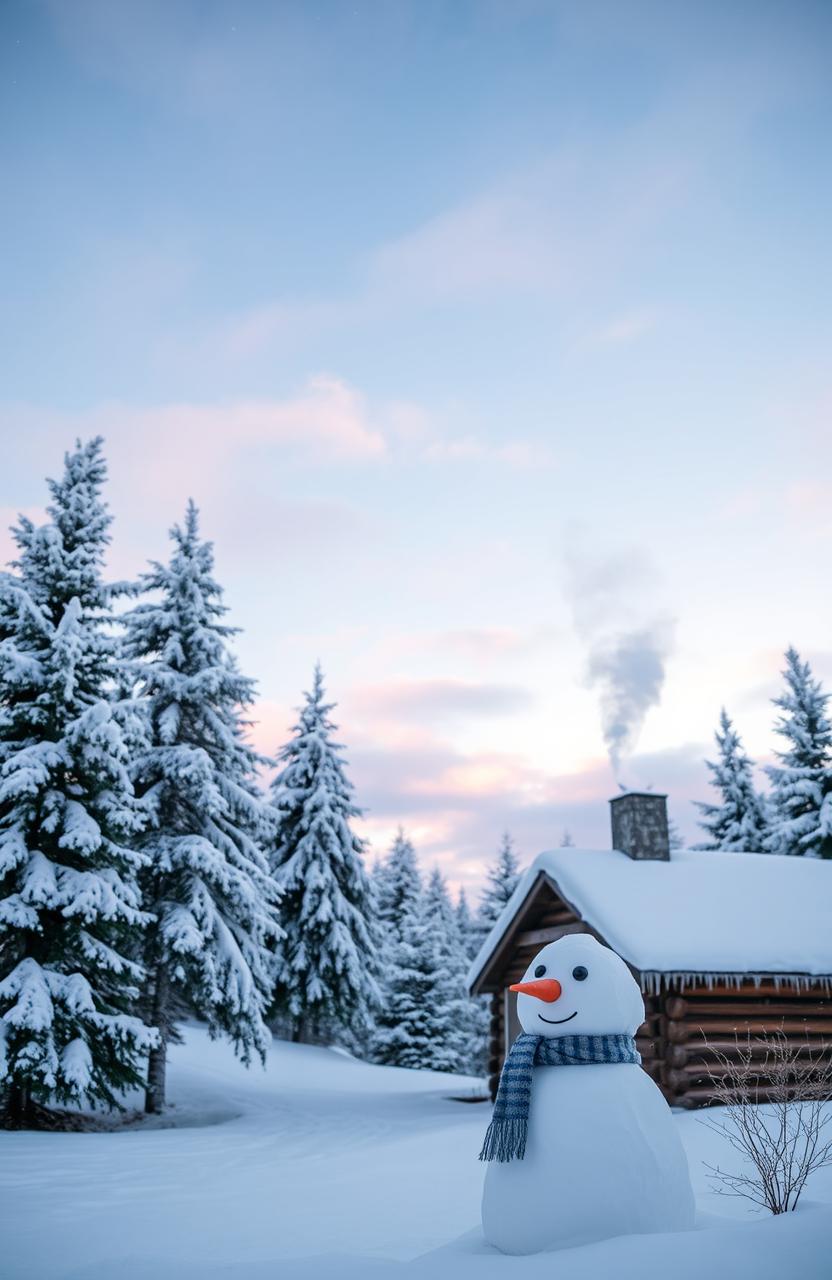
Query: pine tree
417, 1024
208, 881
69, 901
397, 882
479, 1013
326, 962
469, 934
502, 880
467, 1018
566, 841
738, 823
438, 908
802, 782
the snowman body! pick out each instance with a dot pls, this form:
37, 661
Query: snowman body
603, 1156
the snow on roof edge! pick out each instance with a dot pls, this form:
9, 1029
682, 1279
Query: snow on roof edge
554, 863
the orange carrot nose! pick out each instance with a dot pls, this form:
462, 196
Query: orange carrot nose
547, 989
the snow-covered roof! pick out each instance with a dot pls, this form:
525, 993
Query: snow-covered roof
699, 913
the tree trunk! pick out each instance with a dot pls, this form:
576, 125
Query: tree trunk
18, 1106
157, 1059
298, 1030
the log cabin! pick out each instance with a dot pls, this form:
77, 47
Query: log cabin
723, 945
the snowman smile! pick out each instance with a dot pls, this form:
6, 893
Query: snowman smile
554, 1021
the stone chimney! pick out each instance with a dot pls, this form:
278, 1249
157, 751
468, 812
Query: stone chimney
639, 825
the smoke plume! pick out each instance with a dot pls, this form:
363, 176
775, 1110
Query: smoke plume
628, 641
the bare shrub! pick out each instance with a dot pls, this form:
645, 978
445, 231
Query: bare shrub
774, 1092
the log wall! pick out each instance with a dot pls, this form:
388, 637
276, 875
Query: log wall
694, 1018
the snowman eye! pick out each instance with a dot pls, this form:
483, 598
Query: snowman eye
540, 970
580, 972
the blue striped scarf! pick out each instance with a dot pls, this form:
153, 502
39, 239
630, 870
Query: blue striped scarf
506, 1136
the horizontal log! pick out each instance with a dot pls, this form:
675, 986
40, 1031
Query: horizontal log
702, 1095
677, 1053
754, 990
679, 1008
678, 1032
720, 1070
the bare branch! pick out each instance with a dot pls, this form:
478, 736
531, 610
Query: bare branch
785, 1141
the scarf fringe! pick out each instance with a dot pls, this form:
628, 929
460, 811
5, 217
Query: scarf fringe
505, 1140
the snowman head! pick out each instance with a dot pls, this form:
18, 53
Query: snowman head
576, 986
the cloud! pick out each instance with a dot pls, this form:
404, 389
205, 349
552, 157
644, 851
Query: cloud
248, 333
188, 55
326, 421
628, 642
502, 239
521, 454
550, 230
457, 804
438, 698
233, 459
419, 436
491, 642
809, 502
177, 450
628, 328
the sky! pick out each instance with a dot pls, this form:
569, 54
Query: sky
493, 342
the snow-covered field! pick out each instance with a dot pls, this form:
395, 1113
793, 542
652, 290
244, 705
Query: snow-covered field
323, 1166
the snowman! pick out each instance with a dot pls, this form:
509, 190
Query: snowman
582, 1145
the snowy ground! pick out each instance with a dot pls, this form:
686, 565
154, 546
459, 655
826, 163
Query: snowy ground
326, 1167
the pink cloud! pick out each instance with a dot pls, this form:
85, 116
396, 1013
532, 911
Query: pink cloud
159, 456
810, 503
460, 803
432, 698
456, 803
327, 421
494, 641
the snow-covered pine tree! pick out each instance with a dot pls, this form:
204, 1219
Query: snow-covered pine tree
469, 934
801, 796
397, 882
326, 964
738, 823
438, 907
208, 880
502, 880
471, 937
418, 1020
468, 1017
69, 902
566, 841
